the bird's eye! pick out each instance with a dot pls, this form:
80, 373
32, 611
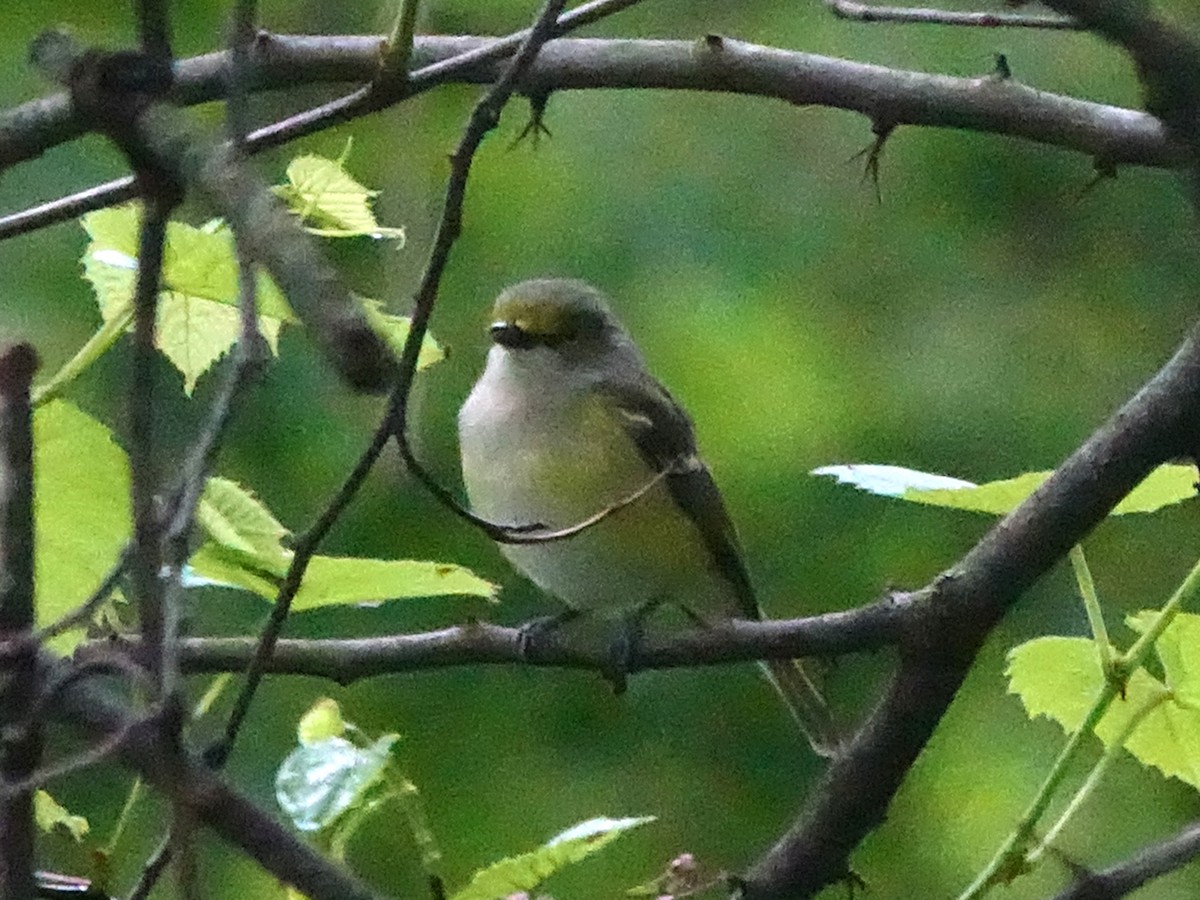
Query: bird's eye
513, 336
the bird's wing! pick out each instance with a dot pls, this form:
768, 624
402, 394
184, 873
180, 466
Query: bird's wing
664, 436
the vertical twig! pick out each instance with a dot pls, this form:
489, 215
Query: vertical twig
20, 740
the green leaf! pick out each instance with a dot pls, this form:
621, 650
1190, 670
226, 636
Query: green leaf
81, 506
1164, 486
323, 194
320, 781
394, 329
1061, 677
234, 518
217, 565
51, 816
527, 871
323, 720
1179, 650
337, 579
197, 315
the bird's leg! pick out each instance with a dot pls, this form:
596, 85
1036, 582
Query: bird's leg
623, 652
535, 629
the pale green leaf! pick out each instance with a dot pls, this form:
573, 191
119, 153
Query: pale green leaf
214, 564
234, 518
525, 872
322, 720
394, 329
320, 781
339, 579
1061, 677
1178, 647
324, 195
52, 816
81, 504
197, 315
1164, 486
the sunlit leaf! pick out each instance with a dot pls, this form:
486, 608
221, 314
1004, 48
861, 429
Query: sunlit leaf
81, 506
1178, 648
197, 314
527, 871
322, 720
320, 781
1061, 677
234, 518
338, 579
51, 816
1164, 486
326, 197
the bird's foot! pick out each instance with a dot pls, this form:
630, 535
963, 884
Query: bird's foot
623, 651
535, 630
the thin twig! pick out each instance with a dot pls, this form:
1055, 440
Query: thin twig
904, 15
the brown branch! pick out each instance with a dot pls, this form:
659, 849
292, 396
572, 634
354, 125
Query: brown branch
206, 796
1114, 135
910, 15
952, 616
20, 734
1126, 877
876, 625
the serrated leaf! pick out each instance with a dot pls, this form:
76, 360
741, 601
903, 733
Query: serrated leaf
322, 720
324, 194
81, 507
234, 518
340, 579
50, 816
1178, 647
320, 781
1061, 677
525, 872
1164, 486
197, 315
394, 329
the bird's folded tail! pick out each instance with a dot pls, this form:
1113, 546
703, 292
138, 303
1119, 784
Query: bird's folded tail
808, 707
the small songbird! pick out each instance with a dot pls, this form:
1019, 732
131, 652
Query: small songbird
566, 421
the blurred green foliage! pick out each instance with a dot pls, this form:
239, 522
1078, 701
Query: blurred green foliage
979, 321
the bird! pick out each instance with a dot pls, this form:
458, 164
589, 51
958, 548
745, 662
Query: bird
567, 420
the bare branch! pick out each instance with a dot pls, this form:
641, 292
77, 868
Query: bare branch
910, 15
1112, 134
876, 625
1126, 877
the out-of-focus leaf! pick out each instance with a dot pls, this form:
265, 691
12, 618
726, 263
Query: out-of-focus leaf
394, 329
81, 504
527, 871
51, 816
320, 781
323, 720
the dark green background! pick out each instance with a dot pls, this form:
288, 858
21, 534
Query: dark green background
979, 321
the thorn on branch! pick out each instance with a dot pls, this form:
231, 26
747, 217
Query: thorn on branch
1002, 71
536, 126
1103, 171
873, 153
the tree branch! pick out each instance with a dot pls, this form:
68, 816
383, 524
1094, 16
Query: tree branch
876, 625
20, 733
951, 617
1112, 135
1126, 877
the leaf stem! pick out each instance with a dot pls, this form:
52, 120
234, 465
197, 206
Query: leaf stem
1091, 605
95, 347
